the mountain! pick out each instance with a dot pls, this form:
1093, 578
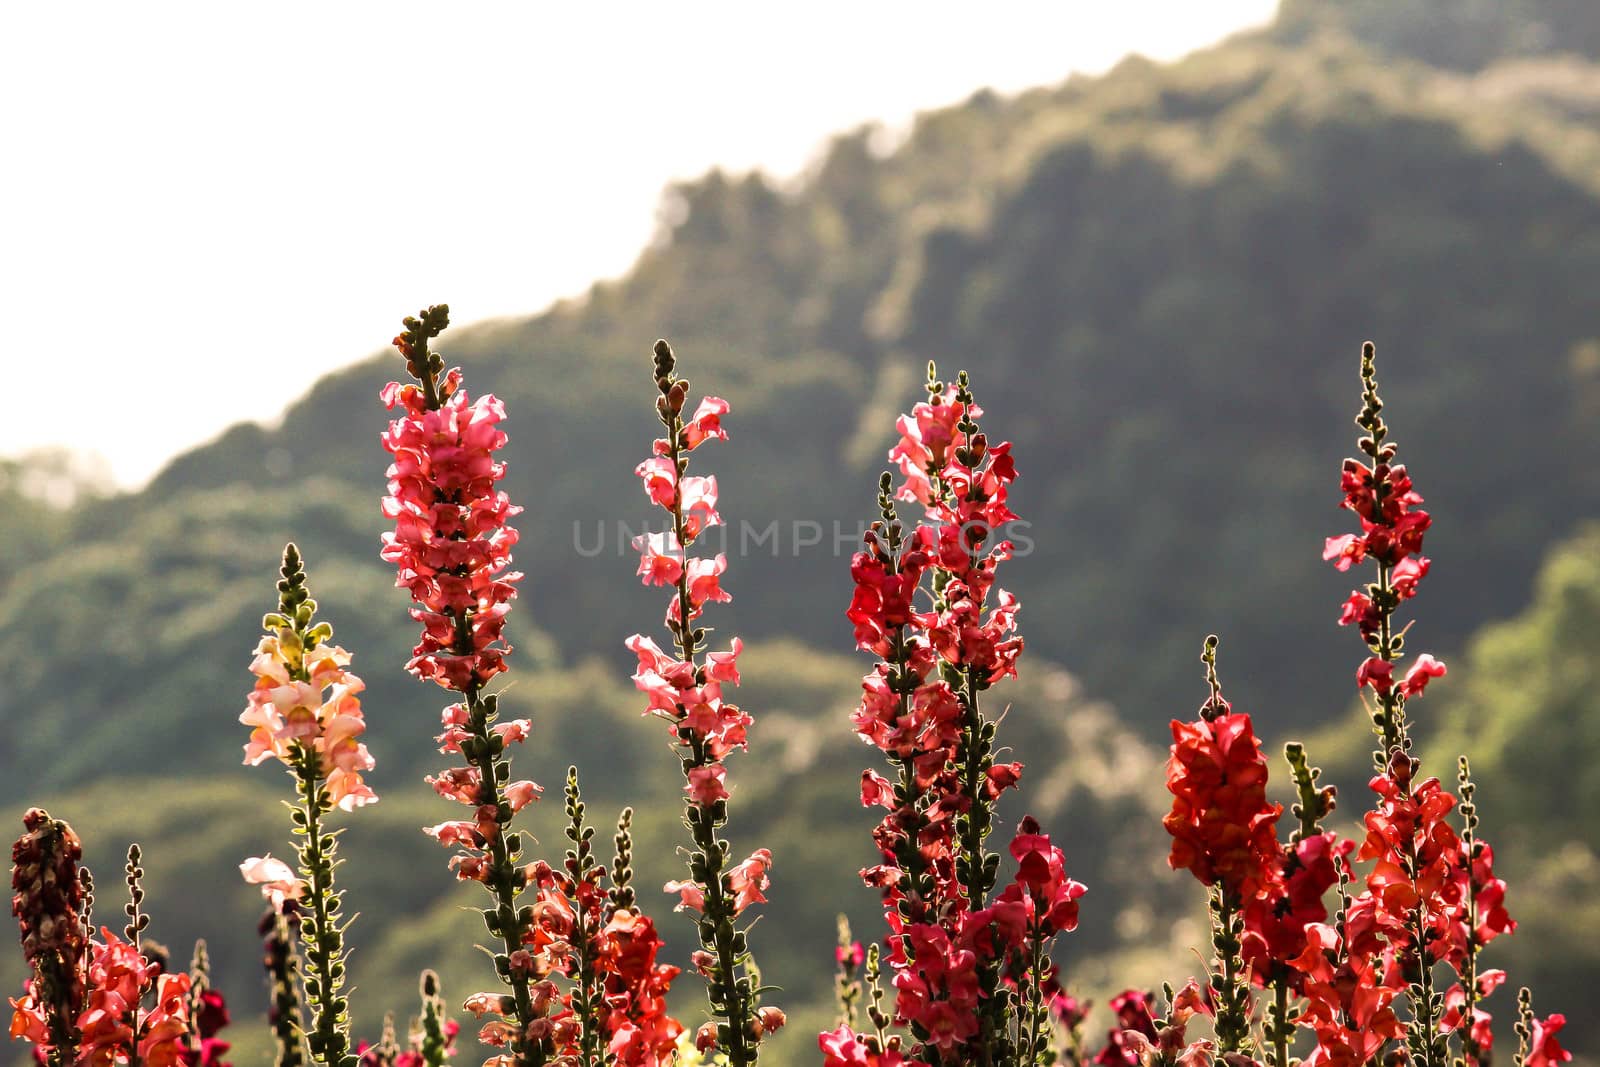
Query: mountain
1159, 280
1459, 34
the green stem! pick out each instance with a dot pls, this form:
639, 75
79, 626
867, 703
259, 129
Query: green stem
482, 752
1391, 715
729, 991
434, 1043
137, 921
1281, 1029
1038, 1010
976, 742
581, 868
588, 995
1233, 1017
1422, 1002
63, 1026
328, 1039
282, 971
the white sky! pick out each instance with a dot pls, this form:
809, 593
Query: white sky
203, 206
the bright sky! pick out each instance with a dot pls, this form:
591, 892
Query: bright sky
204, 207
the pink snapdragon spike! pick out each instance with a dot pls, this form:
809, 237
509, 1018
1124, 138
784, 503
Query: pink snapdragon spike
451, 546
972, 975
1382, 496
686, 689
452, 541
305, 712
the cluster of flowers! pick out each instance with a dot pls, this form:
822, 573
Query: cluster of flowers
451, 541
1429, 897
588, 930
451, 545
100, 1001
306, 703
477, 837
963, 961
1382, 496
685, 689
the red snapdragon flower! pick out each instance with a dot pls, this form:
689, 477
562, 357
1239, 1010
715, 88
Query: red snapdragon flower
475, 837
920, 706
1223, 828
1048, 898
1416, 853
1381, 494
1134, 1020
1171, 1044
1480, 1027
208, 1016
580, 932
1543, 1049
1348, 1006
1276, 918
843, 1047
112, 1027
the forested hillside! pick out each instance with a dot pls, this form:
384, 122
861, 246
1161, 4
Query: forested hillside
1159, 280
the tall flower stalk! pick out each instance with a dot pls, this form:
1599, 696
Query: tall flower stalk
579, 964
452, 546
305, 712
1224, 830
972, 973
280, 931
49, 903
685, 689
1428, 901
1416, 881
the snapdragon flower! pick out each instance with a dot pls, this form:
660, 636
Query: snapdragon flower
686, 688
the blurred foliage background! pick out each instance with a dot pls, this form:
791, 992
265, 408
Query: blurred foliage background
1159, 278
